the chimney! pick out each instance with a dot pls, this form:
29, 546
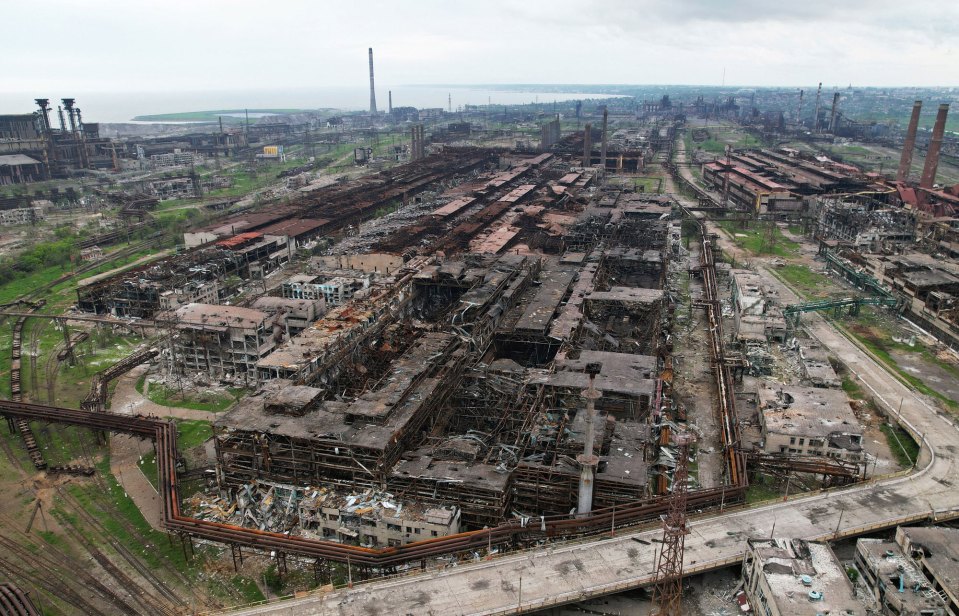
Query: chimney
44, 104
799, 113
372, 90
815, 118
602, 153
68, 105
390, 95
909, 145
932, 155
835, 109
587, 144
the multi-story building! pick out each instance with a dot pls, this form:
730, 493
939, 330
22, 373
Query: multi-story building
810, 421
223, 342
786, 577
896, 581
756, 314
373, 520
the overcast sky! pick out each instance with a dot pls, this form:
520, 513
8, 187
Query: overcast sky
148, 45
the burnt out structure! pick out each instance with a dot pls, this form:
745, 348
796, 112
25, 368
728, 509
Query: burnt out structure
456, 379
53, 152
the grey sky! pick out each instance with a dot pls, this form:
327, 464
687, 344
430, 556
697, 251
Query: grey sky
147, 45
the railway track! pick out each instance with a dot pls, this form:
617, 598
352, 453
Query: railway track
60, 575
16, 392
163, 603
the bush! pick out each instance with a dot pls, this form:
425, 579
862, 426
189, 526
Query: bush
273, 580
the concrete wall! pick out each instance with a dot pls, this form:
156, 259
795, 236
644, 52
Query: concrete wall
380, 263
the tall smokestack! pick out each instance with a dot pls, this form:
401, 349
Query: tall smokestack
372, 89
390, 101
932, 155
602, 152
587, 144
905, 162
815, 118
832, 116
799, 112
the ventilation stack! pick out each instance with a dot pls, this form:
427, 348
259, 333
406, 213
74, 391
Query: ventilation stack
372, 89
602, 153
815, 118
44, 115
932, 155
390, 95
909, 145
835, 110
799, 112
587, 144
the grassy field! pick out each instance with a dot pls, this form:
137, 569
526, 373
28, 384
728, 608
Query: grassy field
871, 331
759, 240
805, 282
207, 401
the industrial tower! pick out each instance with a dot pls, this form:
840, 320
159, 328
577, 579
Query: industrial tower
372, 89
668, 592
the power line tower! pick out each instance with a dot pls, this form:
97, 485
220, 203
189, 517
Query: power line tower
668, 592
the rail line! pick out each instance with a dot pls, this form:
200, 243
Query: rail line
167, 597
16, 392
163, 433
58, 577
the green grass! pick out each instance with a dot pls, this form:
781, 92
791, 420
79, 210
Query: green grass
148, 464
755, 239
648, 184
904, 448
26, 284
852, 388
760, 490
207, 401
248, 588
151, 545
880, 343
192, 432
805, 282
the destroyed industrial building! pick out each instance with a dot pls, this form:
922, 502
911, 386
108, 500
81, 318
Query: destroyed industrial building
431, 378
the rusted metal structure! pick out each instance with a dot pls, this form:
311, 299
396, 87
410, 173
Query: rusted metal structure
16, 393
668, 592
96, 399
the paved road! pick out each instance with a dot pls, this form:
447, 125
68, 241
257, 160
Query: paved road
565, 573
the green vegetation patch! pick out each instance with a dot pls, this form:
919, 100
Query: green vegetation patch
212, 400
879, 341
904, 448
761, 489
807, 283
761, 239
